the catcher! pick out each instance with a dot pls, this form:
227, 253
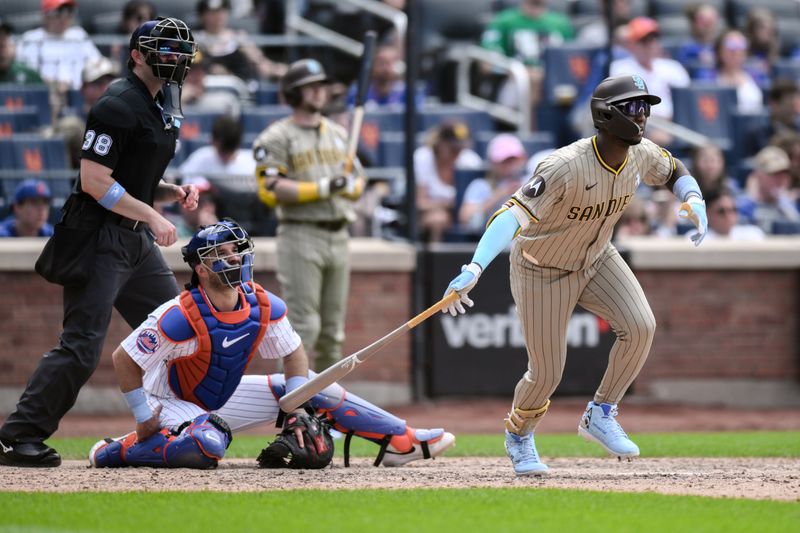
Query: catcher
182, 373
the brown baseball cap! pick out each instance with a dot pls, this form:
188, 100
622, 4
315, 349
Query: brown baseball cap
772, 160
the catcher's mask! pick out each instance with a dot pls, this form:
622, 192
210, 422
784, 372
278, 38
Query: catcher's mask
616, 100
168, 46
300, 73
205, 248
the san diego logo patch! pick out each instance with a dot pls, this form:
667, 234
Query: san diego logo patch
534, 188
147, 341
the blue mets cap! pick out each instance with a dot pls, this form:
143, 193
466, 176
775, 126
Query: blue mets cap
31, 188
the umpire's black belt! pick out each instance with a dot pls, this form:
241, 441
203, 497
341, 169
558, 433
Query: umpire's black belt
330, 225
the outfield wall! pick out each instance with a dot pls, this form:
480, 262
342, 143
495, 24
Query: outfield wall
728, 326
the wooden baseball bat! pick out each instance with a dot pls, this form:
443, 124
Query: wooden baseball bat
364, 71
304, 392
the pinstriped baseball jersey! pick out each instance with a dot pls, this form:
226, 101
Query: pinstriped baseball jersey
306, 154
153, 351
568, 209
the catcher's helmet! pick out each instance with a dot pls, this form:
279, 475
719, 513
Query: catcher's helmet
205, 244
168, 47
615, 90
303, 72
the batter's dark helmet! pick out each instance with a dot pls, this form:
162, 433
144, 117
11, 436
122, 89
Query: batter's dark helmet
613, 91
303, 72
168, 47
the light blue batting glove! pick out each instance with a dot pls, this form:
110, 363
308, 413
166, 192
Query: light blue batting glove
462, 284
694, 210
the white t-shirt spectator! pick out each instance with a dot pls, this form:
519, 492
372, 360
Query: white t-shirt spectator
57, 58
205, 161
666, 73
426, 175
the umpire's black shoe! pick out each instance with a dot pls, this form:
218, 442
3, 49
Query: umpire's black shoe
36, 454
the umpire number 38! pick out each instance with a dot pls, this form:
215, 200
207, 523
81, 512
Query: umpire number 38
102, 142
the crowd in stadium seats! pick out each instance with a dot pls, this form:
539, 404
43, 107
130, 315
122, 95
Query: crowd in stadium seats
726, 69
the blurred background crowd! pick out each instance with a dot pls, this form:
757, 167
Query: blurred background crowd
501, 83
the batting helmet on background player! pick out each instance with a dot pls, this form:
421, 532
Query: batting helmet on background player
205, 244
167, 45
609, 94
303, 72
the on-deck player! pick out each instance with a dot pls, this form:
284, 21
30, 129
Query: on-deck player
559, 225
183, 370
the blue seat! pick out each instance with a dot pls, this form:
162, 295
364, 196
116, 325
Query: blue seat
266, 94
392, 150
196, 123
33, 153
21, 120
385, 119
706, 109
15, 96
566, 69
257, 119
430, 115
60, 187
785, 228
750, 133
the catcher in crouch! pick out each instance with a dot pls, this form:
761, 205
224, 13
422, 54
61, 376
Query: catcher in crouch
182, 373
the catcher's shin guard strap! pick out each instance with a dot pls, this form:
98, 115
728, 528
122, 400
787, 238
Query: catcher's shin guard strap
384, 444
522, 421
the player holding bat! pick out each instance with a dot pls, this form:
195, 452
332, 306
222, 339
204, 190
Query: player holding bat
307, 169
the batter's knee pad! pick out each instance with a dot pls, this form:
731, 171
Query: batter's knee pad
523, 421
199, 444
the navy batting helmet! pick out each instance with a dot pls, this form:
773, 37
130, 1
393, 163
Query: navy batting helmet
168, 47
302, 72
204, 249
605, 101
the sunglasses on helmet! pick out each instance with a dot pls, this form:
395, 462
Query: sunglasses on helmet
632, 108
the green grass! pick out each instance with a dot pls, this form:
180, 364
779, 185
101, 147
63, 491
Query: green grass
723, 444
441, 511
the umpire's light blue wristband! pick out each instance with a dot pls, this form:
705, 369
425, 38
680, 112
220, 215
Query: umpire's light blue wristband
686, 186
295, 381
496, 238
112, 196
137, 401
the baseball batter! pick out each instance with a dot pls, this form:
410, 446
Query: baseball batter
182, 371
300, 162
559, 225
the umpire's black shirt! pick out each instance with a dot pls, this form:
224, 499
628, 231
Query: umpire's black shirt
126, 132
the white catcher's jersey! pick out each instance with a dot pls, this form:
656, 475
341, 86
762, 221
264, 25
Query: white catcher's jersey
153, 351
568, 209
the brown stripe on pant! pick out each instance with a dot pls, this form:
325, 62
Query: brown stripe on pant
545, 299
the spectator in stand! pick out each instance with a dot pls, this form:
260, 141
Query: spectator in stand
659, 73
386, 86
761, 30
635, 220
484, 196
206, 213
446, 149
194, 94
708, 168
783, 104
723, 218
663, 213
134, 14
30, 211
522, 33
58, 50
595, 33
224, 157
12, 71
789, 142
767, 198
731, 50
698, 55
230, 51
97, 76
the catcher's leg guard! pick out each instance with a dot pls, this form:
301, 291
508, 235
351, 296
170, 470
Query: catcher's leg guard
201, 444
524, 421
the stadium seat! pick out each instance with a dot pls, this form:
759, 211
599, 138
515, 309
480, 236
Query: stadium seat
196, 123
392, 150
33, 153
266, 94
566, 68
659, 8
781, 9
592, 7
431, 115
22, 120
785, 228
706, 109
749, 132
257, 119
15, 96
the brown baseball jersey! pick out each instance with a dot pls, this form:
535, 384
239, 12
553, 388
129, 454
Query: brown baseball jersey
563, 257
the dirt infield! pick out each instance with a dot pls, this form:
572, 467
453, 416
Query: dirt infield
775, 479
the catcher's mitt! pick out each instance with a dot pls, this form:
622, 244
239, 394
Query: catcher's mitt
285, 451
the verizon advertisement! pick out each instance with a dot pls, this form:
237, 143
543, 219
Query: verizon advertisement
483, 351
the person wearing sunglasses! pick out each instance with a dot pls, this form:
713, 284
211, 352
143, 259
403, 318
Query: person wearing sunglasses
723, 218
559, 226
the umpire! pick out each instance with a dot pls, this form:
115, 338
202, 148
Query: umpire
300, 169
109, 230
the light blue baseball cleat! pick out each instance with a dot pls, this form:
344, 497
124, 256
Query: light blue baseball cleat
522, 452
598, 424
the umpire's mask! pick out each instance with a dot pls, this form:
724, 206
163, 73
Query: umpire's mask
168, 47
232, 265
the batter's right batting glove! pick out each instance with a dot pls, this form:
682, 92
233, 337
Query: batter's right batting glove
462, 284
